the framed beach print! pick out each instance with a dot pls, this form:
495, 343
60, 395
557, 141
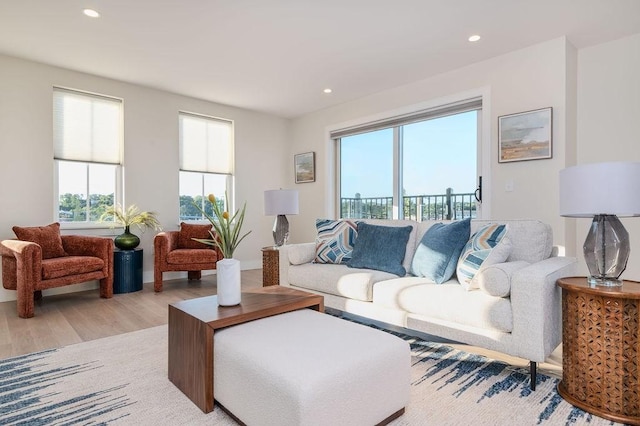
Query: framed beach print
525, 135
305, 167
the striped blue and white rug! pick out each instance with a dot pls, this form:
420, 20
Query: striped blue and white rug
123, 380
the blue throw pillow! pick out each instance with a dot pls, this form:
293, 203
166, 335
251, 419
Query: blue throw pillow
437, 254
380, 247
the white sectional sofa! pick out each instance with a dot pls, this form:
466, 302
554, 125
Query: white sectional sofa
516, 310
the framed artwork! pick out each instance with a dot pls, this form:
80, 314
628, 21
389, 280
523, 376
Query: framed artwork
305, 167
525, 135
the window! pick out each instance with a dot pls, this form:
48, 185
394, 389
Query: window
87, 146
419, 166
206, 163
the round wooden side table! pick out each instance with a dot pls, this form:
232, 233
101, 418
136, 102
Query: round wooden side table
600, 345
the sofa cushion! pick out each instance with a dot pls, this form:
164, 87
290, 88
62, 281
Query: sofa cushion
436, 256
47, 237
531, 240
186, 256
70, 265
189, 231
446, 302
486, 247
335, 239
496, 279
380, 247
338, 280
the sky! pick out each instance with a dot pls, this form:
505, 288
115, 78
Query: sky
73, 178
438, 154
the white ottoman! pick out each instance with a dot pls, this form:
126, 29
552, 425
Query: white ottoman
307, 368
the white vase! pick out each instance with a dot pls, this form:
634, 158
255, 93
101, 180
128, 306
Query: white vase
228, 282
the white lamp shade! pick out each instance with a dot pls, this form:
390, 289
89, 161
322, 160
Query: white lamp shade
600, 189
280, 201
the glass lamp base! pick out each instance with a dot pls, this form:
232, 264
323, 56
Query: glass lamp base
604, 282
606, 251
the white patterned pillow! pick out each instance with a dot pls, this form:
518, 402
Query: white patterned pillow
334, 243
488, 246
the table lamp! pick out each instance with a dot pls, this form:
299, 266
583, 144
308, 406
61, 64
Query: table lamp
280, 202
603, 191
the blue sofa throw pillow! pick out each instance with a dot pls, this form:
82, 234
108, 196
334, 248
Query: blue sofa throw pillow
437, 254
380, 247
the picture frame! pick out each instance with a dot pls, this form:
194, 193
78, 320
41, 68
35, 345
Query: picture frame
525, 136
305, 167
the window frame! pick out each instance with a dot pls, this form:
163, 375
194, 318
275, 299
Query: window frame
118, 196
230, 177
395, 120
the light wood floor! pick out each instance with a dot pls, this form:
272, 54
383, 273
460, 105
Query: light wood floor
70, 318
66, 319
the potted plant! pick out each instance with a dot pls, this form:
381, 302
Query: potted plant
227, 238
128, 217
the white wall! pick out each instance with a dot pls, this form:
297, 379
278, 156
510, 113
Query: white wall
150, 156
609, 120
531, 78
595, 94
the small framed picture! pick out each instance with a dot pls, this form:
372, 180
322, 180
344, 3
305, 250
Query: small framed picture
525, 135
305, 167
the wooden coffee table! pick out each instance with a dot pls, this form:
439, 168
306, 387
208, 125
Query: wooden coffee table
192, 324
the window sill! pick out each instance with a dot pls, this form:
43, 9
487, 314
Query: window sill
94, 228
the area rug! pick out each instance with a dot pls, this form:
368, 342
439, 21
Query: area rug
122, 380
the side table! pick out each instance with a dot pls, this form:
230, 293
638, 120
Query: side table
270, 266
127, 270
600, 349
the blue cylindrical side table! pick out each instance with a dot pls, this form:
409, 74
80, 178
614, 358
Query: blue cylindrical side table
127, 270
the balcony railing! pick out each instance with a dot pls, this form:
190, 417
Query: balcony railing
448, 206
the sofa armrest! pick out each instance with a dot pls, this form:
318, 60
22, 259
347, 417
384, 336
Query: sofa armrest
536, 304
166, 241
18, 248
495, 279
21, 261
294, 254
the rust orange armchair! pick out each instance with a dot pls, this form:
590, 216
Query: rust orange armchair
41, 259
177, 251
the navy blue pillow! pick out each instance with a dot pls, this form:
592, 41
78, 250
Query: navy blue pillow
380, 247
437, 254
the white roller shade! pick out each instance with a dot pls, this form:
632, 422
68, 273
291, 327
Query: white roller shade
86, 127
413, 117
206, 144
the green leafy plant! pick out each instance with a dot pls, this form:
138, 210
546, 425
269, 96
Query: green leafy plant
131, 216
227, 236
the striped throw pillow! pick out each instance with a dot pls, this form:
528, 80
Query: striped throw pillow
488, 246
334, 243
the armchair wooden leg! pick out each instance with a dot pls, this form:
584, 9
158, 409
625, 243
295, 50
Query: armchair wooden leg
194, 275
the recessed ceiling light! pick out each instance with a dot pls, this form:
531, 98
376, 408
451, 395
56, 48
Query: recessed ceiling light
327, 90
91, 13
474, 38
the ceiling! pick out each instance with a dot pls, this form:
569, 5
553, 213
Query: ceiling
277, 56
